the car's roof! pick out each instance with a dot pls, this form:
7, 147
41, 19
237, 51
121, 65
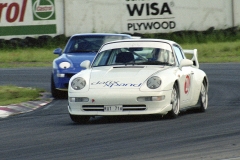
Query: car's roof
155, 43
101, 34
143, 40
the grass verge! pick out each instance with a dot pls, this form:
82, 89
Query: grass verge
210, 52
13, 95
218, 52
26, 57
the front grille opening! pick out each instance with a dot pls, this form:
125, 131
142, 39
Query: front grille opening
66, 85
69, 75
134, 107
93, 107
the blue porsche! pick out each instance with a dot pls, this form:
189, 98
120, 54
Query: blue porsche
79, 47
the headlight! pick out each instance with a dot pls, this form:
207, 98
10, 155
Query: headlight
64, 65
154, 82
78, 83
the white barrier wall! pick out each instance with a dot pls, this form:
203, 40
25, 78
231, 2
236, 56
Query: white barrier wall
21, 18
236, 12
147, 16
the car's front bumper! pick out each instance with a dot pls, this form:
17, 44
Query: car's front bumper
127, 100
61, 79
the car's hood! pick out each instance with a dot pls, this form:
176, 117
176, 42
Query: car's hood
77, 58
122, 77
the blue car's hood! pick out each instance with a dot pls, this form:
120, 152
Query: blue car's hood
77, 58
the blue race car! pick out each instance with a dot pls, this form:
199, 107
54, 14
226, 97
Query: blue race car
79, 47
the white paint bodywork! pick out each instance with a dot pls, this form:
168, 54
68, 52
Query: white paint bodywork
122, 85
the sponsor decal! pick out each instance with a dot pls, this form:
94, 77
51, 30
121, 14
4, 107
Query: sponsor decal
14, 12
111, 84
187, 85
147, 15
149, 9
43, 9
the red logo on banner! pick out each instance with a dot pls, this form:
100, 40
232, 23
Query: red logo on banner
13, 10
187, 84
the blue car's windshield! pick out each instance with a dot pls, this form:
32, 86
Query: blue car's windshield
78, 44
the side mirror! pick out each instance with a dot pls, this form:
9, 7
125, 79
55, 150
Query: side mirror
85, 64
57, 51
185, 62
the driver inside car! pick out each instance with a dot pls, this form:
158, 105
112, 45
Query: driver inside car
156, 55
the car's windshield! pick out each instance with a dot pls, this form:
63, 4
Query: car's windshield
134, 56
78, 44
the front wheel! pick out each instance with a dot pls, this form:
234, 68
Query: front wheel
174, 102
203, 98
79, 119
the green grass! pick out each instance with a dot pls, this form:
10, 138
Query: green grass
218, 52
13, 94
27, 57
214, 46
210, 52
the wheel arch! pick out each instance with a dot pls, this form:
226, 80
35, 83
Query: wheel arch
177, 83
206, 82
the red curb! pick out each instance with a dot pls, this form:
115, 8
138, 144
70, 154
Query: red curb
8, 109
25, 106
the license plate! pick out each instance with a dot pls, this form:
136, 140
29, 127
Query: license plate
114, 108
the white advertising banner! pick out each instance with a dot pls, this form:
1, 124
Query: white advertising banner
236, 12
146, 16
21, 18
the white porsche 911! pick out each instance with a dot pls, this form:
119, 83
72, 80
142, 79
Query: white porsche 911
138, 77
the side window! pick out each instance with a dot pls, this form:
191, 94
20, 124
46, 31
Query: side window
101, 58
104, 59
179, 53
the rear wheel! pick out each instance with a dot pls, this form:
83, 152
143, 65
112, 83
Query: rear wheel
79, 119
203, 98
55, 92
174, 102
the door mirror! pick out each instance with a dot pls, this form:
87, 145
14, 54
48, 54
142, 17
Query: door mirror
85, 64
185, 62
57, 51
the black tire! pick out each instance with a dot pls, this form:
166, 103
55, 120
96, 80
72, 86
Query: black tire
57, 93
79, 119
203, 98
175, 101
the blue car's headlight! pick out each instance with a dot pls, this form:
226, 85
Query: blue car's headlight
78, 83
64, 65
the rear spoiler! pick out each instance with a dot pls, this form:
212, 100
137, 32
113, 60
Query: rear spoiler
194, 56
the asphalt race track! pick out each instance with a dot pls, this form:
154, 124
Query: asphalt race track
48, 132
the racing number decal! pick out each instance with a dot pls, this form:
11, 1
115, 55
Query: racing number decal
187, 84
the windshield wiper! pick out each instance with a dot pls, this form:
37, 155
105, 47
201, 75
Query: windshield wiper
166, 63
154, 63
130, 63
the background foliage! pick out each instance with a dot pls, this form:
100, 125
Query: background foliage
182, 37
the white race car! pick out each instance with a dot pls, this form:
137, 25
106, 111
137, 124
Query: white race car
138, 77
